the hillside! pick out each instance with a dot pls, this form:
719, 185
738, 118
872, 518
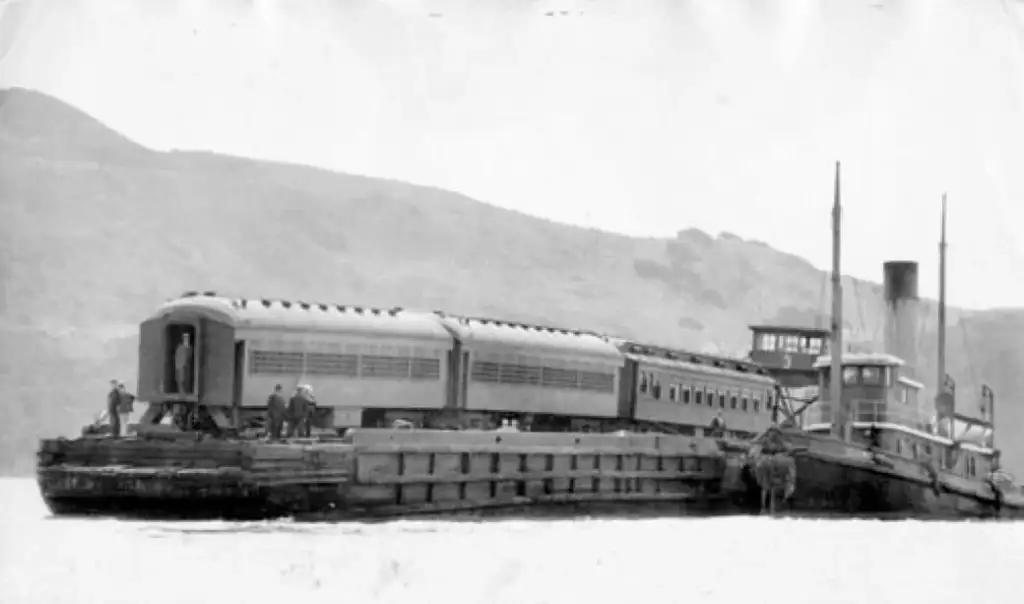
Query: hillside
95, 230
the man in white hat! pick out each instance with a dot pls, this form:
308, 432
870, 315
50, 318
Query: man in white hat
299, 411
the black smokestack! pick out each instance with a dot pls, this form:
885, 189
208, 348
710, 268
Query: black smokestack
901, 302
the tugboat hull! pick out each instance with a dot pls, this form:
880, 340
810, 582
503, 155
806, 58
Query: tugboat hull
834, 478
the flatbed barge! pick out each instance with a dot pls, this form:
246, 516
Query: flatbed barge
385, 473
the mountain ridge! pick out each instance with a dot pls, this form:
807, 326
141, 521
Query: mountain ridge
98, 229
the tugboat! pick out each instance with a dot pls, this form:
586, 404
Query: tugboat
870, 447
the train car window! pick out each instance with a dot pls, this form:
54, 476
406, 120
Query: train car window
757, 405
686, 395
672, 392
643, 381
770, 401
655, 388
734, 402
698, 394
721, 400
744, 404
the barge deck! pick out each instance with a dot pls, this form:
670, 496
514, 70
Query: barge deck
386, 473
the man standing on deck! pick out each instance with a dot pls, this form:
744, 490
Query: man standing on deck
307, 426
276, 413
113, 411
717, 429
183, 365
125, 406
298, 413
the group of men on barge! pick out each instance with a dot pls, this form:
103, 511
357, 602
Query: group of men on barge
297, 413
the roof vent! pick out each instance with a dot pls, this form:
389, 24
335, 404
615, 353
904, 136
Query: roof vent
190, 294
210, 294
358, 309
340, 307
322, 306
304, 305
245, 303
266, 303
286, 304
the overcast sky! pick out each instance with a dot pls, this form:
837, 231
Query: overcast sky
641, 117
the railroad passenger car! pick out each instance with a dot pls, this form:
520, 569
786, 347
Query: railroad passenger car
369, 367
687, 390
530, 370
354, 357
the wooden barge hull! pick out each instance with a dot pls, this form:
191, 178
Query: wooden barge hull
390, 473
836, 479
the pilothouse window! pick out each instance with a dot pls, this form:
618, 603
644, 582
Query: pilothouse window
872, 376
767, 342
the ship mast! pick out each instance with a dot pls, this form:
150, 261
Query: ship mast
942, 313
840, 422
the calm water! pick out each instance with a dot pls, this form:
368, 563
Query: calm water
519, 562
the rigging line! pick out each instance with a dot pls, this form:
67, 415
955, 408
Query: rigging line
860, 308
820, 315
967, 350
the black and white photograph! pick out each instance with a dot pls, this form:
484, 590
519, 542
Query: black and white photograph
511, 301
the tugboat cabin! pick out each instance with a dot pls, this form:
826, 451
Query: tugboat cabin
888, 411
789, 352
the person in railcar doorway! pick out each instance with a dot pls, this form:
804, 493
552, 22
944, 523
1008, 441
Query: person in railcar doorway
183, 365
125, 405
113, 403
277, 411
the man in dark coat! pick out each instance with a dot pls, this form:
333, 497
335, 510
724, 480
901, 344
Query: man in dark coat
717, 428
277, 411
113, 409
298, 413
